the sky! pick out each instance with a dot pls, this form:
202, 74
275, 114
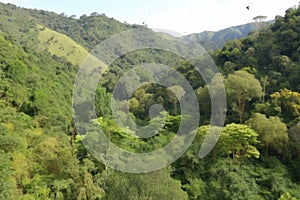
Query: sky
181, 16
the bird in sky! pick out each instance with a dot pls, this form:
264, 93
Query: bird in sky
248, 7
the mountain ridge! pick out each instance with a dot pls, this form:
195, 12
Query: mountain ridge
212, 40
84, 32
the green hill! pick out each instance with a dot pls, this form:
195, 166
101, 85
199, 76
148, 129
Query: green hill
24, 28
211, 40
61, 45
88, 30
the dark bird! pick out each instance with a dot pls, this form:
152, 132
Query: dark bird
247, 7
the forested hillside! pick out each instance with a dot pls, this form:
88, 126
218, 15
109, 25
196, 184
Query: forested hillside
211, 40
42, 155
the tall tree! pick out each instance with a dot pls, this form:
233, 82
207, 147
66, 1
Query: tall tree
239, 140
259, 18
288, 103
272, 132
242, 87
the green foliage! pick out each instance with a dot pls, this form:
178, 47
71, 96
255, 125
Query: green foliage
239, 141
42, 157
153, 185
103, 102
6, 177
288, 102
196, 189
236, 140
231, 180
272, 132
294, 139
287, 196
242, 87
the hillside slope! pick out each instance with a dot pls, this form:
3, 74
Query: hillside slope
211, 40
25, 30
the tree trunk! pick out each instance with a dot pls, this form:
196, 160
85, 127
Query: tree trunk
241, 105
264, 88
267, 148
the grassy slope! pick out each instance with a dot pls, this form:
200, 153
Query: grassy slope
24, 28
62, 46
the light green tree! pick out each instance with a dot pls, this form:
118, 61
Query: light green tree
272, 132
288, 103
236, 140
241, 87
239, 141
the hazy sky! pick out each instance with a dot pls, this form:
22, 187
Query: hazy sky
182, 16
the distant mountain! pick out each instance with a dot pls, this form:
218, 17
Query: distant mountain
211, 40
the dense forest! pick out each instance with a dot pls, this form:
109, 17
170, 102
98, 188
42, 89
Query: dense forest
43, 157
